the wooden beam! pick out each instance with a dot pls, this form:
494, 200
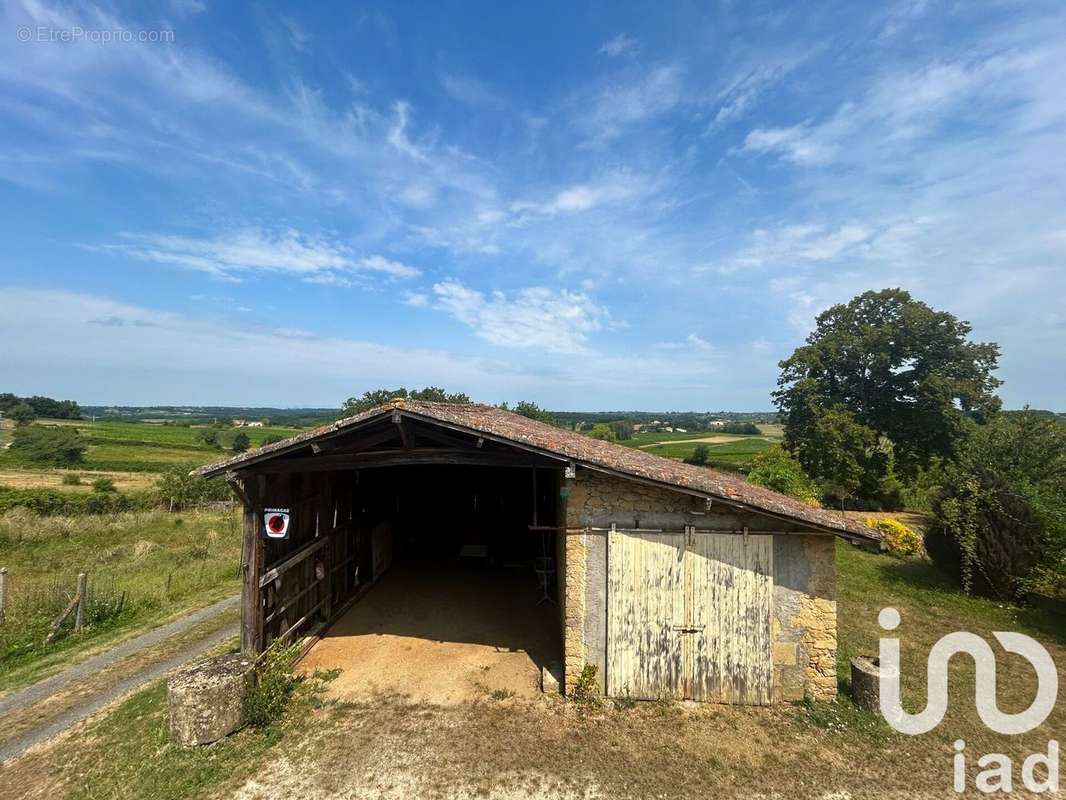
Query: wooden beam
399, 458
279, 569
354, 444
406, 436
434, 434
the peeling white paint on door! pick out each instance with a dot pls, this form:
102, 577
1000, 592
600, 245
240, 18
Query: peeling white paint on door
689, 616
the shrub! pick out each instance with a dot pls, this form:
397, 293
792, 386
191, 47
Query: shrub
899, 539
275, 686
181, 490
586, 694
999, 520
701, 454
208, 436
775, 469
104, 485
604, 432
51, 501
49, 445
72, 479
241, 442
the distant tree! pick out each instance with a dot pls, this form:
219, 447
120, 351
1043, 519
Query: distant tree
623, 429
43, 445
265, 421
883, 366
603, 431
54, 409
208, 436
104, 485
22, 413
739, 428
533, 411
701, 454
241, 442
379, 397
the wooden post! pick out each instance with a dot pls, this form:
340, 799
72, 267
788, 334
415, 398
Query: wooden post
79, 616
251, 602
3, 593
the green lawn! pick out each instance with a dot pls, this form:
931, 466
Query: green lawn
738, 452
164, 563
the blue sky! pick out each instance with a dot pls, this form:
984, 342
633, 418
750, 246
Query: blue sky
599, 206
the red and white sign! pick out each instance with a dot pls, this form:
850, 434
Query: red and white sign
276, 523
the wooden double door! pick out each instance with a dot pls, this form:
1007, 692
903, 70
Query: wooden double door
689, 616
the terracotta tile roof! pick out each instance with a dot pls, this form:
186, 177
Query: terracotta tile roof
521, 431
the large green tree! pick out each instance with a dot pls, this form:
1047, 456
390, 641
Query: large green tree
883, 378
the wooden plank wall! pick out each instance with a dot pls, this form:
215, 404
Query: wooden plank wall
645, 599
730, 590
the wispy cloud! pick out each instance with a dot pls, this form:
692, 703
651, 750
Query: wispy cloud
235, 253
628, 102
619, 45
556, 321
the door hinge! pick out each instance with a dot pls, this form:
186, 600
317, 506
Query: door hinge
689, 629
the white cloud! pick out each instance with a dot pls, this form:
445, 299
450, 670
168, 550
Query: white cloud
620, 45
416, 299
469, 90
605, 115
692, 344
800, 143
792, 243
537, 317
610, 189
53, 336
232, 254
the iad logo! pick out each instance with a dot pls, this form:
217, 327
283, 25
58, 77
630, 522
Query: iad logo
998, 775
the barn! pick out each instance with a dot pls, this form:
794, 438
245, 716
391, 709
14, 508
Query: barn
671, 580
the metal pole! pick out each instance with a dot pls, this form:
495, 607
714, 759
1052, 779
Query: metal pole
79, 617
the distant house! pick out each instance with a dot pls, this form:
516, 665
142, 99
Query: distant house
668, 429
681, 430
239, 423
255, 424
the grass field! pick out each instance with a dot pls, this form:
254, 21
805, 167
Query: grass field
138, 447
53, 479
165, 563
727, 450
524, 749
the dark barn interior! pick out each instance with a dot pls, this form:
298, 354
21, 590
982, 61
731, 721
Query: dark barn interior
444, 516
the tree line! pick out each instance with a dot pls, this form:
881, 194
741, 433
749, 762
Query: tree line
23, 410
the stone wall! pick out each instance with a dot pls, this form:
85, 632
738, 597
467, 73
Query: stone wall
804, 622
805, 617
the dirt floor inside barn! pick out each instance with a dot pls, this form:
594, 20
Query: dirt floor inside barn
442, 633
